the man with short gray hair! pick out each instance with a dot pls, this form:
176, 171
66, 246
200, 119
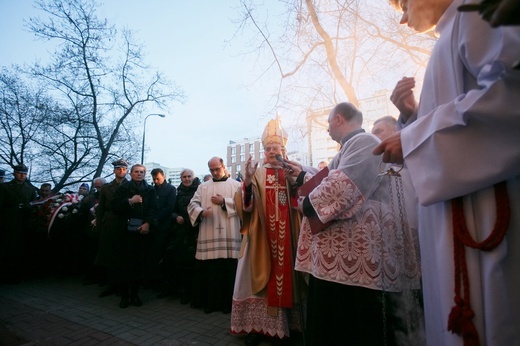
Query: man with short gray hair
384, 127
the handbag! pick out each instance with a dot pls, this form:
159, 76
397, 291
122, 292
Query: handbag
134, 224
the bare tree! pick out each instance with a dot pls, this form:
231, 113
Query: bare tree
36, 131
101, 81
328, 51
20, 118
68, 151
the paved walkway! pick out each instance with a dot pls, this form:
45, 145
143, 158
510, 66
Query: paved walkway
62, 311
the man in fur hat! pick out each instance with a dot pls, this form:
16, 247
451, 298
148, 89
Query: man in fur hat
15, 233
109, 225
2, 175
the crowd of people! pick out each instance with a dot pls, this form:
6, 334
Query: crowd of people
409, 235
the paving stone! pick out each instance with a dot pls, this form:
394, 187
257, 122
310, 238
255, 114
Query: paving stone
55, 312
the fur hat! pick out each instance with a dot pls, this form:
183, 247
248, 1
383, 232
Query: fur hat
21, 168
120, 163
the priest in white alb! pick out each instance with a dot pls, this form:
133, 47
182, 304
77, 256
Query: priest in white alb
218, 244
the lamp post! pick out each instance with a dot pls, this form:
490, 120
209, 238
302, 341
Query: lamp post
144, 133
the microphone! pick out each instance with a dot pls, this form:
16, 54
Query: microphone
281, 160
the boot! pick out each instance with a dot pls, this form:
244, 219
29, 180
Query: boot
125, 298
134, 299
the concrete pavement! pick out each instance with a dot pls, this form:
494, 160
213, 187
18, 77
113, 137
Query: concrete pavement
61, 311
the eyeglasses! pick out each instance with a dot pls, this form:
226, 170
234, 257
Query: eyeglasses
215, 169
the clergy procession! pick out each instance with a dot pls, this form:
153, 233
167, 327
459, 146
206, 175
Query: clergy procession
408, 236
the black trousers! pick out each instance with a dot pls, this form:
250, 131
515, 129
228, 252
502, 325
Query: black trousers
348, 315
214, 283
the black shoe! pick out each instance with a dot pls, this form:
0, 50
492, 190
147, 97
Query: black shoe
185, 300
195, 305
88, 282
135, 301
124, 303
12, 281
152, 285
253, 339
208, 310
164, 295
275, 341
226, 311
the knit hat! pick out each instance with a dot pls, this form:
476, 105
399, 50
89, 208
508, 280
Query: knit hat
85, 185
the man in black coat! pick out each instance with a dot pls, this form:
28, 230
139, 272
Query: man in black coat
166, 195
108, 225
15, 234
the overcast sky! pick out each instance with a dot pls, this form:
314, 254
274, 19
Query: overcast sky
194, 43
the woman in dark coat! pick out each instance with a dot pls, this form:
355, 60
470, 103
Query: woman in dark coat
134, 200
185, 235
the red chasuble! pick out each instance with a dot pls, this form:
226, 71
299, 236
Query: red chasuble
278, 230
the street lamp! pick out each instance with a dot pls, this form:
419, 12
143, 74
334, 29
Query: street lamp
144, 134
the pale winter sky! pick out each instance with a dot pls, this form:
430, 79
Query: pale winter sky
193, 42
